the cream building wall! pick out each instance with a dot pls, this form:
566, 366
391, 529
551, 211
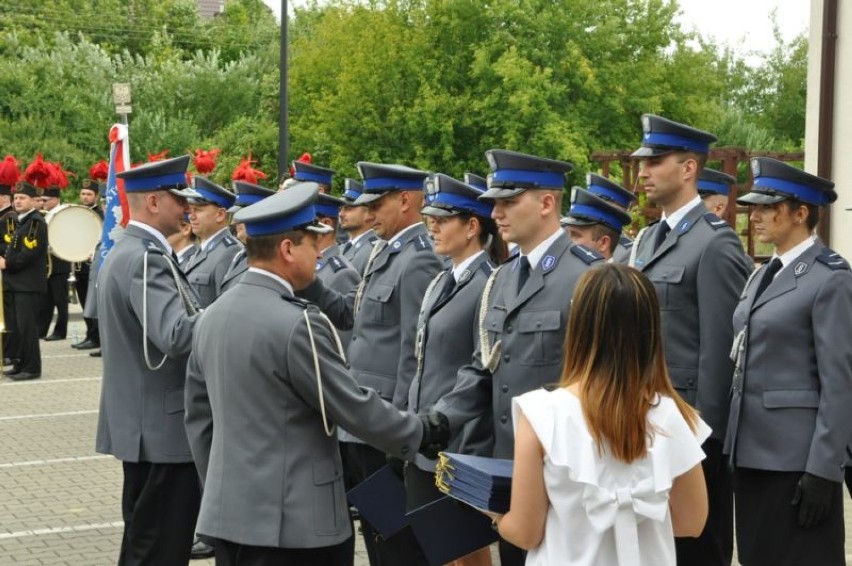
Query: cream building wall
841, 219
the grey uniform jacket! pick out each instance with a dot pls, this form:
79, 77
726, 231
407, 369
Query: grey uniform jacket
336, 272
790, 405
698, 271
530, 327
206, 269
446, 336
381, 353
141, 410
235, 271
271, 475
359, 252
622, 250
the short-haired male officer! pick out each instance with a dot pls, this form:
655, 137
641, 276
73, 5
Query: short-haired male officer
333, 269
525, 304
714, 188
261, 417
56, 296
147, 311
247, 194
25, 279
595, 223
382, 313
357, 220
310, 173
208, 216
618, 196
698, 266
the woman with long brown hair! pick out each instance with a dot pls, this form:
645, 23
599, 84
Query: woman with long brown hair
607, 465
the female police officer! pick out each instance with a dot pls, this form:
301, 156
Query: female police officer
462, 229
792, 389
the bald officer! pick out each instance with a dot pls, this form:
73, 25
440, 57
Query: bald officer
357, 220
261, 421
714, 188
208, 216
595, 223
525, 303
617, 196
698, 266
247, 194
147, 311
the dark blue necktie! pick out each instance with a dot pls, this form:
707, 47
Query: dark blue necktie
768, 275
662, 232
523, 272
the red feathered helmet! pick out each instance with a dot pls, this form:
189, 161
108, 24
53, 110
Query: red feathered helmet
205, 161
10, 174
245, 172
304, 158
98, 174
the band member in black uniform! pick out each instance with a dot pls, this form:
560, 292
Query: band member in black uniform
25, 277
10, 174
89, 195
56, 296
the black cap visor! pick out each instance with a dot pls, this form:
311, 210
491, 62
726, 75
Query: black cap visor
756, 197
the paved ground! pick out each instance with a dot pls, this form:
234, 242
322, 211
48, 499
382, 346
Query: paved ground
59, 500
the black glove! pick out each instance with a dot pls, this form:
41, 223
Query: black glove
396, 465
813, 496
436, 434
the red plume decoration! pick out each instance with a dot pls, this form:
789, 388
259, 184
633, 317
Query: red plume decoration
205, 161
245, 171
304, 158
60, 176
158, 156
99, 171
10, 171
39, 173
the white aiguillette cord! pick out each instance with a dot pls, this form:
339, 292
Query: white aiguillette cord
329, 430
490, 354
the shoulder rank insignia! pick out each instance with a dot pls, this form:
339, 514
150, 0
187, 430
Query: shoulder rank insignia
584, 253
832, 260
513, 256
486, 267
714, 221
625, 241
421, 243
336, 263
151, 246
229, 241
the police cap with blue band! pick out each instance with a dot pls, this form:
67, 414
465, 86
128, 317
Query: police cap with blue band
166, 175
328, 205
588, 209
661, 136
352, 189
248, 194
474, 180
312, 173
775, 181
450, 197
609, 190
293, 209
712, 182
205, 191
513, 173
380, 179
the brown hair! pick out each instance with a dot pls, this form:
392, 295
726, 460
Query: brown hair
263, 247
614, 351
489, 237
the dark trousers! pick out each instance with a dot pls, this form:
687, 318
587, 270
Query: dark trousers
23, 341
159, 504
400, 549
768, 532
9, 345
232, 554
82, 285
715, 546
56, 297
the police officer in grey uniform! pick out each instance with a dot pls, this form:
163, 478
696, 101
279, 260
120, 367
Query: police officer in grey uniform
208, 216
261, 423
698, 266
335, 271
357, 220
147, 311
382, 313
615, 195
595, 223
524, 309
789, 421
246, 195
714, 188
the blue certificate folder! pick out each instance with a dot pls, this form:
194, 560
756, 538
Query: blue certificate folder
380, 499
448, 529
484, 483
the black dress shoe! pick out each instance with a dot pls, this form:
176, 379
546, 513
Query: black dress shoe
12, 371
24, 376
201, 549
96, 354
86, 345
54, 337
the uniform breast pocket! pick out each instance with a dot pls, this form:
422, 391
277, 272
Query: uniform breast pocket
200, 279
541, 337
378, 308
791, 399
328, 498
667, 280
494, 321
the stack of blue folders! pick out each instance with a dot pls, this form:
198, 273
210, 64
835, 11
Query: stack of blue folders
484, 483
